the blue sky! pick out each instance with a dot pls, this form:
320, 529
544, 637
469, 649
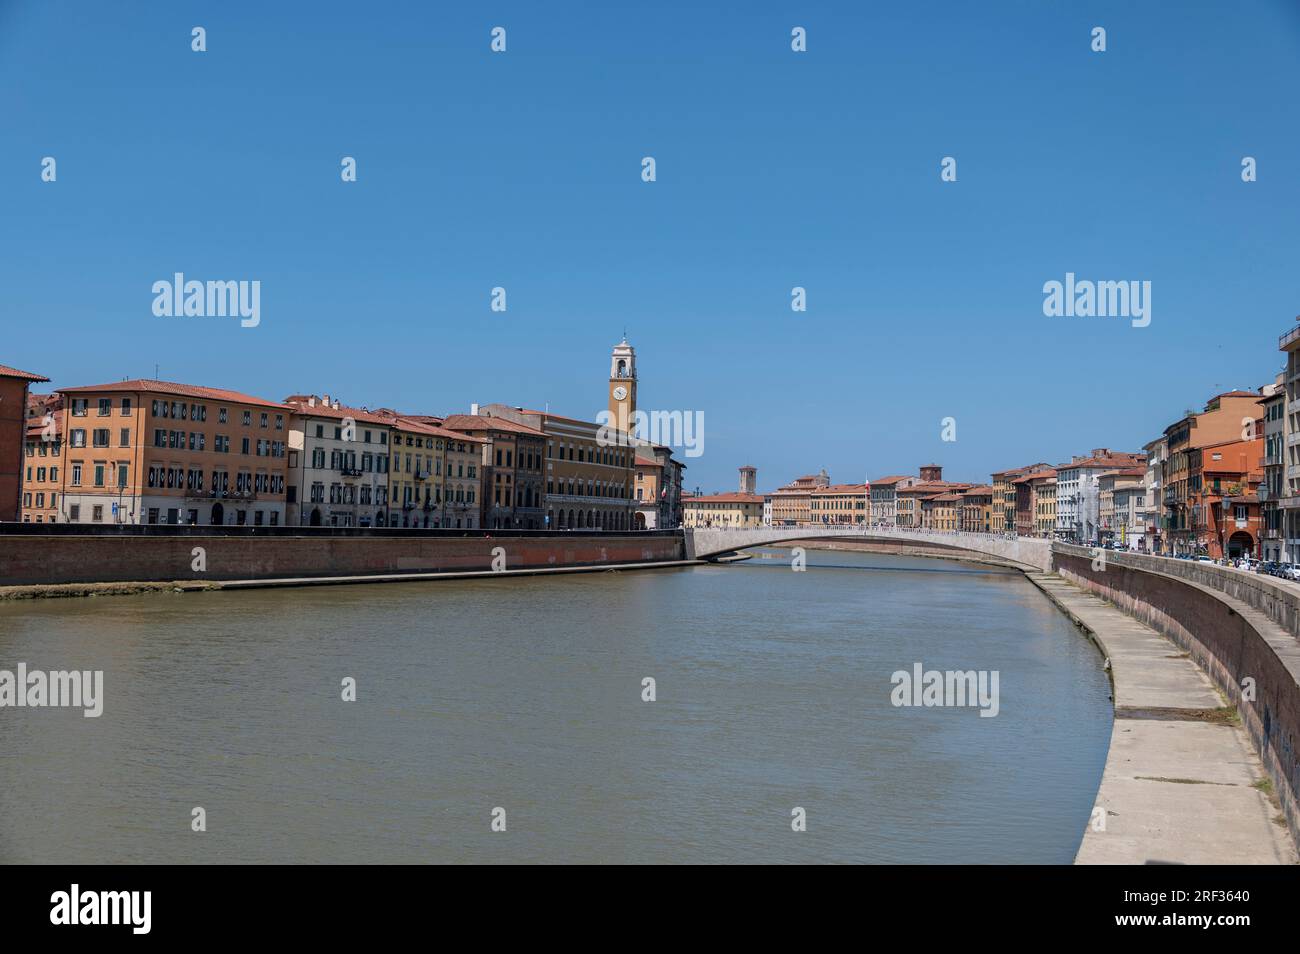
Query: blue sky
775, 169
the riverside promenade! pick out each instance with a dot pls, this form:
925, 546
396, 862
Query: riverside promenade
1182, 784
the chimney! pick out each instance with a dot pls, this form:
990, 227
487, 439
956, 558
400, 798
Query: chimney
336, 404
311, 400
473, 410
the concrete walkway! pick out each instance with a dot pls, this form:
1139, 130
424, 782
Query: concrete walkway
1181, 784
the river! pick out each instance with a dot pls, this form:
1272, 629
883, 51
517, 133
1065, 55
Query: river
773, 692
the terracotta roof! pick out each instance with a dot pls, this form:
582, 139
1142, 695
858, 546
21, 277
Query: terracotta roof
934, 487
423, 427
173, 389
889, 481
298, 403
477, 422
647, 462
842, 489
1114, 461
36, 425
1017, 471
982, 489
8, 372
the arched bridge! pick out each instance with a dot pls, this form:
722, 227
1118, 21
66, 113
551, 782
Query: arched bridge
1029, 552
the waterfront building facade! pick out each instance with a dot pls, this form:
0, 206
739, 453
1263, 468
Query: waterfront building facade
1042, 486
338, 464
1078, 503
743, 511
792, 504
658, 488
512, 470
412, 473
590, 470
145, 451
14, 386
43, 456
976, 508
1118, 494
1273, 410
884, 498
1225, 418
840, 504
1003, 516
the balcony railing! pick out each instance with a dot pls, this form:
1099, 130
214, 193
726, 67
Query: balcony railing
1288, 338
220, 494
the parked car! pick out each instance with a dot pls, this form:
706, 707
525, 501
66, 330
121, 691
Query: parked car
1266, 567
1286, 571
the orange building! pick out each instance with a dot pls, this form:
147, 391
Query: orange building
43, 454
1226, 508
147, 451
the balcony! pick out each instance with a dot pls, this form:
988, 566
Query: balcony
220, 494
1288, 339
350, 471
1289, 502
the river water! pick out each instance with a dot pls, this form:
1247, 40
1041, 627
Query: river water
772, 693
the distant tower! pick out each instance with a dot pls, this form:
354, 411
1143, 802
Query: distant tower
931, 472
822, 479
622, 386
748, 480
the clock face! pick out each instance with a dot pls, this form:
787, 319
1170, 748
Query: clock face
620, 392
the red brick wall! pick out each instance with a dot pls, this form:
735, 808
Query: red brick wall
1225, 645
35, 559
13, 423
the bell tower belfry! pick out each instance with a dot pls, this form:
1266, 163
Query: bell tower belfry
622, 386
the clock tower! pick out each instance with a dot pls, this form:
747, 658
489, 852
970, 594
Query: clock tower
622, 386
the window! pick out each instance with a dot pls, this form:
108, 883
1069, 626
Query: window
101, 437
126, 407
79, 407
105, 407
124, 437
77, 438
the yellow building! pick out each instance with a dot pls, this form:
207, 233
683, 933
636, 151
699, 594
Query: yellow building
1002, 518
845, 504
976, 509
723, 510
792, 504
1043, 491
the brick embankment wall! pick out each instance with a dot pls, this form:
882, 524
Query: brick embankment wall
35, 560
1232, 642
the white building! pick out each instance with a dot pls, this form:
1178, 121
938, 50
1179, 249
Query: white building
1078, 497
338, 465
